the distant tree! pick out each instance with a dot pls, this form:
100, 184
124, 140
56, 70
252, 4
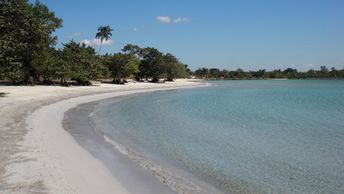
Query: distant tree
104, 33
323, 73
61, 69
290, 73
197, 73
202, 73
132, 49
334, 73
324, 69
341, 73
188, 70
122, 66
47, 65
225, 74
260, 74
275, 74
173, 68
311, 74
155, 65
83, 63
151, 65
214, 73
239, 73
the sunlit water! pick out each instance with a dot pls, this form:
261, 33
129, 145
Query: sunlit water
241, 136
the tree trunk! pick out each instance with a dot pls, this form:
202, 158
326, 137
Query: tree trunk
101, 44
155, 79
100, 48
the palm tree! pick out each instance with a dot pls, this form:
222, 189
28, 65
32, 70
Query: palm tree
104, 33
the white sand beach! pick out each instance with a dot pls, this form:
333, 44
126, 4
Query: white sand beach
38, 156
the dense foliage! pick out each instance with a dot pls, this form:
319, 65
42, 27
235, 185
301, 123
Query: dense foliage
28, 53
156, 65
82, 63
288, 73
25, 39
122, 66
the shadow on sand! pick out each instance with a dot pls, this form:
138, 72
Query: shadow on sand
3, 94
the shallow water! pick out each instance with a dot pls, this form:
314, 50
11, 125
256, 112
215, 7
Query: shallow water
273, 136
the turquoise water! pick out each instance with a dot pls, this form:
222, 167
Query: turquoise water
242, 136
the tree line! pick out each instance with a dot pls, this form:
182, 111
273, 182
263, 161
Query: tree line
289, 73
28, 54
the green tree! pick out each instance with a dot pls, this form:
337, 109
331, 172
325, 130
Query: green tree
188, 70
275, 74
47, 65
214, 73
82, 62
324, 72
311, 73
13, 42
26, 34
59, 68
133, 49
239, 73
104, 33
334, 73
202, 73
173, 68
122, 66
290, 73
260, 74
151, 65
45, 25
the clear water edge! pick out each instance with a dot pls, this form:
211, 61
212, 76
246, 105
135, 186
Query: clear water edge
241, 136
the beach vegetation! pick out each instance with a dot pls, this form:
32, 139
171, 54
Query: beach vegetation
155, 65
25, 39
82, 63
289, 73
173, 68
122, 66
151, 65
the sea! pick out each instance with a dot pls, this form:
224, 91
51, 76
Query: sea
254, 136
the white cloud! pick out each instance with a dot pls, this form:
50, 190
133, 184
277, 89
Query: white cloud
181, 20
164, 19
169, 20
77, 33
308, 65
97, 42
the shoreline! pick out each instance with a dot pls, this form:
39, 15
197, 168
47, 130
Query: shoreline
50, 161
160, 177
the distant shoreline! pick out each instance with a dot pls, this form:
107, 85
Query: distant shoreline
274, 79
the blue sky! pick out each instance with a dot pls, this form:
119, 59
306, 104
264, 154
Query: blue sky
250, 34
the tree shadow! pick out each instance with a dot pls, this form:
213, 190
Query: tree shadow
3, 94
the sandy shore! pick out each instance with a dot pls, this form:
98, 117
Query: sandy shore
38, 156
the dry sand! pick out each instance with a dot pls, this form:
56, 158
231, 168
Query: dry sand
38, 156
